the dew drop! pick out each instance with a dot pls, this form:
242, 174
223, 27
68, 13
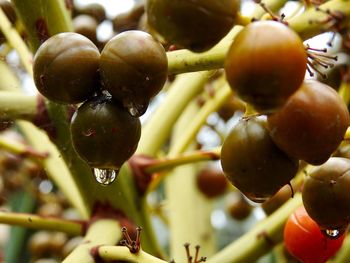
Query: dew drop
105, 176
332, 233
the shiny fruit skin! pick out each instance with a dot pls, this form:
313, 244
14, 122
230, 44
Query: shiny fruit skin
196, 25
66, 68
211, 183
104, 134
311, 124
253, 163
265, 64
305, 241
326, 194
133, 69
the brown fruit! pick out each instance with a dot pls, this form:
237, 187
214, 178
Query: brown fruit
265, 64
239, 209
276, 201
196, 25
253, 163
312, 123
211, 182
86, 26
326, 194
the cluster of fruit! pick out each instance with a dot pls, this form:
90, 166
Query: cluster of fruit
114, 87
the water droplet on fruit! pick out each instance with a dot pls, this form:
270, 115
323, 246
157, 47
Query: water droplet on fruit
105, 176
332, 233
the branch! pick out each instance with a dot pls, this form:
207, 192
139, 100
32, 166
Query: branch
43, 223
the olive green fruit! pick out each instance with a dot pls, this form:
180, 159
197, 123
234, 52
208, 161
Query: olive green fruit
86, 26
66, 68
196, 25
311, 124
103, 133
230, 106
265, 64
253, 163
326, 194
133, 69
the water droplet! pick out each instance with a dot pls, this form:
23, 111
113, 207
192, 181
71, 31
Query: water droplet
105, 176
332, 233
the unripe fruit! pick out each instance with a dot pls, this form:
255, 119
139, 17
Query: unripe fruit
104, 134
253, 163
326, 195
196, 25
265, 64
133, 69
66, 68
312, 123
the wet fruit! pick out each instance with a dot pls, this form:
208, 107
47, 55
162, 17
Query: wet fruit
104, 134
133, 69
265, 64
305, 241
196, 25
312, 123
211, 183
253, 163
326, 194
66, 68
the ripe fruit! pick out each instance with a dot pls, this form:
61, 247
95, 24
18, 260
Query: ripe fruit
253, 163
312, 123
196, 25
326, 195
211, 183
66, 68
265, 64
104, 134
133, 69
305, 241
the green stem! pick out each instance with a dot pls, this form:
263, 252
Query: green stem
14, 105
343, 254
39, 222
261, 238
190, 211
158, 128
211, 105
186, 158
101, 232
110, 253
19, 148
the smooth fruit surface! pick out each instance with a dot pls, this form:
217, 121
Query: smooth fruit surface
265, 64
305, 241
211, 183
66, 68
312, 123
133, 69
253, 163
104, 134
326, 194
196, 25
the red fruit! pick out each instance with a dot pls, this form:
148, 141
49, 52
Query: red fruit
305, 241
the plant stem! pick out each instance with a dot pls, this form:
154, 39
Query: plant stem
101, 232
39, 222
19, 148
186, 158
158, 128
189, 212
343, 254
210, 106
16, 41
260, 239
14, 105
110, 253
